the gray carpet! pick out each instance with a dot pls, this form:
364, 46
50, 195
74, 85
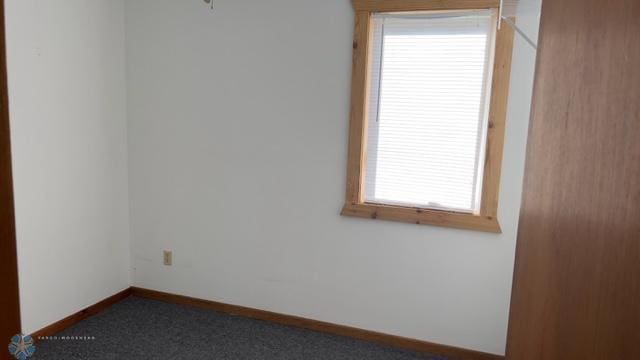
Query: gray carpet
137, 328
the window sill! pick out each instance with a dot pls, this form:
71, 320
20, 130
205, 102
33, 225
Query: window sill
423, 217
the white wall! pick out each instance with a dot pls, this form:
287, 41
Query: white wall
238, 143
66, 65
237, 155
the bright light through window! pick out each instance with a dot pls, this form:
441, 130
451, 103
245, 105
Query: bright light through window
428, 109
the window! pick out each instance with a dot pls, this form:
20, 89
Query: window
429, 94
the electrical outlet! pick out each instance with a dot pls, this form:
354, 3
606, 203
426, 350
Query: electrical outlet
168, 257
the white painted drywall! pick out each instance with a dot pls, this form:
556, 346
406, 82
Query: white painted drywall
66, 66
237, 134
238, 143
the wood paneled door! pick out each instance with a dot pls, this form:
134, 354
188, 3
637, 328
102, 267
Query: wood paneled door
9, 303
576, 290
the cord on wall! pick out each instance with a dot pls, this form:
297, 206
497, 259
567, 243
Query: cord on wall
209, 2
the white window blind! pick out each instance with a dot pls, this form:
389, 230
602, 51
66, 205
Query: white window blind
430, 79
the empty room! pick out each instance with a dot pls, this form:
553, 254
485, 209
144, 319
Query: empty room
320, 179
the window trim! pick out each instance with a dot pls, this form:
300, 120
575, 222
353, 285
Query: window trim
487, 219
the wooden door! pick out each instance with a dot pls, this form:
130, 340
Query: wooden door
9, 304
577, 279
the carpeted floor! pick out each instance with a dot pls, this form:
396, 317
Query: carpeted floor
137, 328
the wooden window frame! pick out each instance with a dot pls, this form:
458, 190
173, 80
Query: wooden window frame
487, 218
